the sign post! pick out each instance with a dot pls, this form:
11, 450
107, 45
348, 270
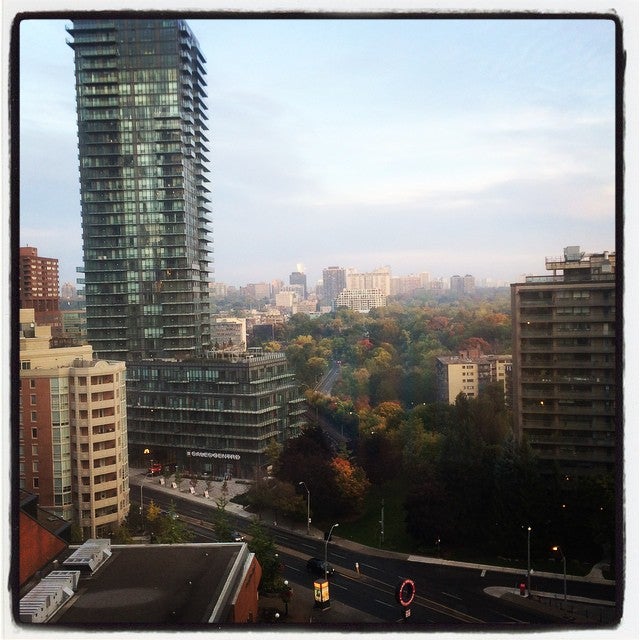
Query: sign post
405, 593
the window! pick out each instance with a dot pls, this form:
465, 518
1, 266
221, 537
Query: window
34, 450
32, 399
34, 416
34, 433
35, 466
32, 383
36, 483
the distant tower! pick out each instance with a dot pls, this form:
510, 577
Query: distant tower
469, 284
140, 90
334, 280
39, 288
299, 278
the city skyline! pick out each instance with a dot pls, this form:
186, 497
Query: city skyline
351, 143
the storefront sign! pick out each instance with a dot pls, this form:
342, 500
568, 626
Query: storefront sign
213, 454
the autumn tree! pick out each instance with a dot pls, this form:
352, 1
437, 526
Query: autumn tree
352, 486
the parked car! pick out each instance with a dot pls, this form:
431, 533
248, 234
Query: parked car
237, 536
316, 566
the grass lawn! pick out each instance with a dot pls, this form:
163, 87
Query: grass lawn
366, 529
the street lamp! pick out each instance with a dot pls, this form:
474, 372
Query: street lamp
146, 452
308, 503
326, 542
564, 569
529, 561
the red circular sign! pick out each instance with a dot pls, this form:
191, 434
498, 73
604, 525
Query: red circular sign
405, 592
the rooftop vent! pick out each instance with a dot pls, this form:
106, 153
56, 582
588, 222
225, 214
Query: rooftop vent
90, 555
48, 596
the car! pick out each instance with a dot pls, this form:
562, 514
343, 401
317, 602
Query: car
237, 536
155, 469
317, 567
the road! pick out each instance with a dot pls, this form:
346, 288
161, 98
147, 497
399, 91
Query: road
445, 595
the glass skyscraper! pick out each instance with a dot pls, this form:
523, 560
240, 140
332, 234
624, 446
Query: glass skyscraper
140, 90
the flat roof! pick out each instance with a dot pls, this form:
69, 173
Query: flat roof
155, 585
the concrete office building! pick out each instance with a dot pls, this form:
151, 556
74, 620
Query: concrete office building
140, 93
72, 431
566, 361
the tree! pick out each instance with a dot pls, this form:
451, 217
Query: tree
222, 525
379, 455
431, 512
352, 485
223, 499
153, 513
272, 453
259, 496
264, 547
122, 535
172, 530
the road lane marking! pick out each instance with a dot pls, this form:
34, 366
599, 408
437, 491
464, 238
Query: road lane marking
289, 567
504, 615
450, 595
386, 604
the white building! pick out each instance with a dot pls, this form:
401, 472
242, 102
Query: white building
362, 300
229, 334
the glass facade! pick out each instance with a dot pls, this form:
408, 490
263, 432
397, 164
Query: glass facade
140, 90
214, 415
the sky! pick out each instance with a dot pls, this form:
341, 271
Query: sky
471, 146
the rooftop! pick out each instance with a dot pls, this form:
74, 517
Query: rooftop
155, 584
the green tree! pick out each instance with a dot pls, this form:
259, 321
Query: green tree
264, 547
272, 453
122, 535
172, 530
259, 496
222, 525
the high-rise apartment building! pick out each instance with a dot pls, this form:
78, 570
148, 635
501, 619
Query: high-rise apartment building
140, 90
462, 285
469, 373
361, 300
565, 360
377, 279
334, 280
39, 287
73, 431
299, 278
